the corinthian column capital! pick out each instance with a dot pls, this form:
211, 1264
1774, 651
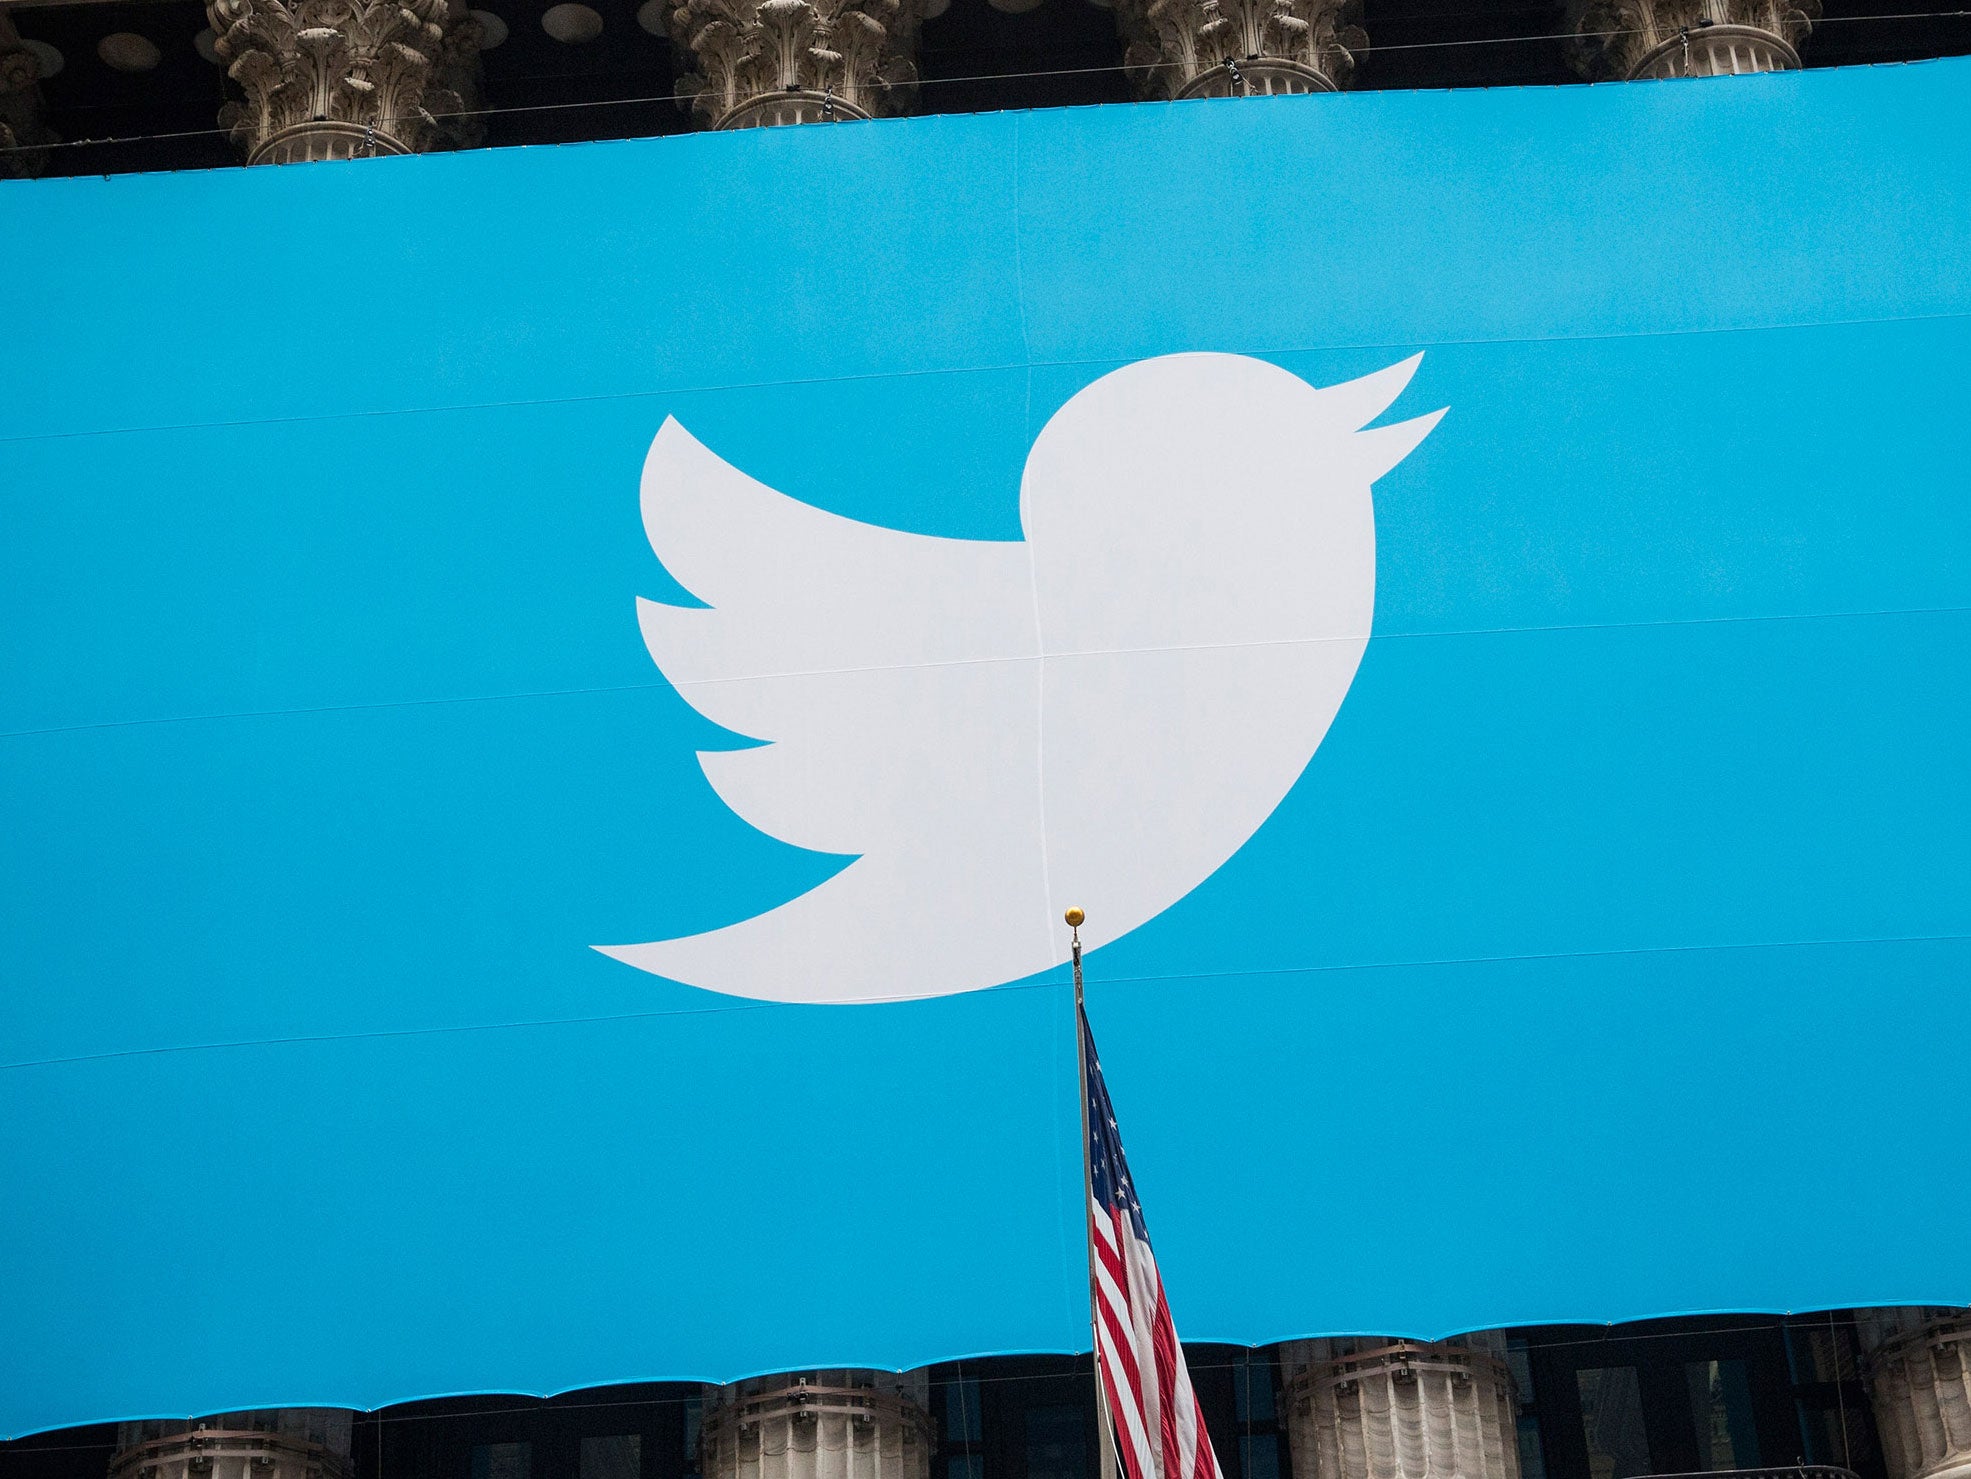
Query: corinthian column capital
1232, 48
336, 79
1688, 38
23, 136
796, 61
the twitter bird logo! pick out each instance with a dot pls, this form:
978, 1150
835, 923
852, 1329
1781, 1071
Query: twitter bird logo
1099, 714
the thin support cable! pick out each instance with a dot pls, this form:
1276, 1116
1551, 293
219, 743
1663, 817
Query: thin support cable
923, 82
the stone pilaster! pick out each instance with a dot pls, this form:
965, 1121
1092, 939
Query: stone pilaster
1377, 1409
1234, 48
343, 79
818, 1425
762, 62
1919, 1381
23, 136
289, 1443
1688, 38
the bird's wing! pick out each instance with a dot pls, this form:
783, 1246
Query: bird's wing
876, 668
824, 637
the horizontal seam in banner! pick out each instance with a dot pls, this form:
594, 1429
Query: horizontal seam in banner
603, 397
456, 1029
682, 685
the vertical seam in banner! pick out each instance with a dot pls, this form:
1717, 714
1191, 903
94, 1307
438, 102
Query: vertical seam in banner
1070, 1230
1033, 575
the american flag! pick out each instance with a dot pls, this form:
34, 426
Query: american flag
1159, 1430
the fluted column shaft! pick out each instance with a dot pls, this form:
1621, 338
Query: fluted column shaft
287, 1443
1920, 1386
1372, 1409
819, 1425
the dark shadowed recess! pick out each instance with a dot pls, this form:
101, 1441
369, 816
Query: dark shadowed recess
974, 57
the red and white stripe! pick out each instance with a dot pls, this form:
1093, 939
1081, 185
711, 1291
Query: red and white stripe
1159, 1429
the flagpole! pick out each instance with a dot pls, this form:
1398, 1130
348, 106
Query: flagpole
1104, 1438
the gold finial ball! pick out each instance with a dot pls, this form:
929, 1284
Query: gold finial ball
1074, 918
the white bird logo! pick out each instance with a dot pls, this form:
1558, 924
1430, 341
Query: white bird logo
1099, 714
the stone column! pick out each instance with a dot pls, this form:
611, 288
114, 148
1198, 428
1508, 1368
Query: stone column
818, 1425
1376, 1409
1235, 48
23, 136
289, 1443
341, 79
1919, 1381
1627, 39
763, 62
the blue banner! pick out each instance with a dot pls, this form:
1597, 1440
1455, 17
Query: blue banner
554, 700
